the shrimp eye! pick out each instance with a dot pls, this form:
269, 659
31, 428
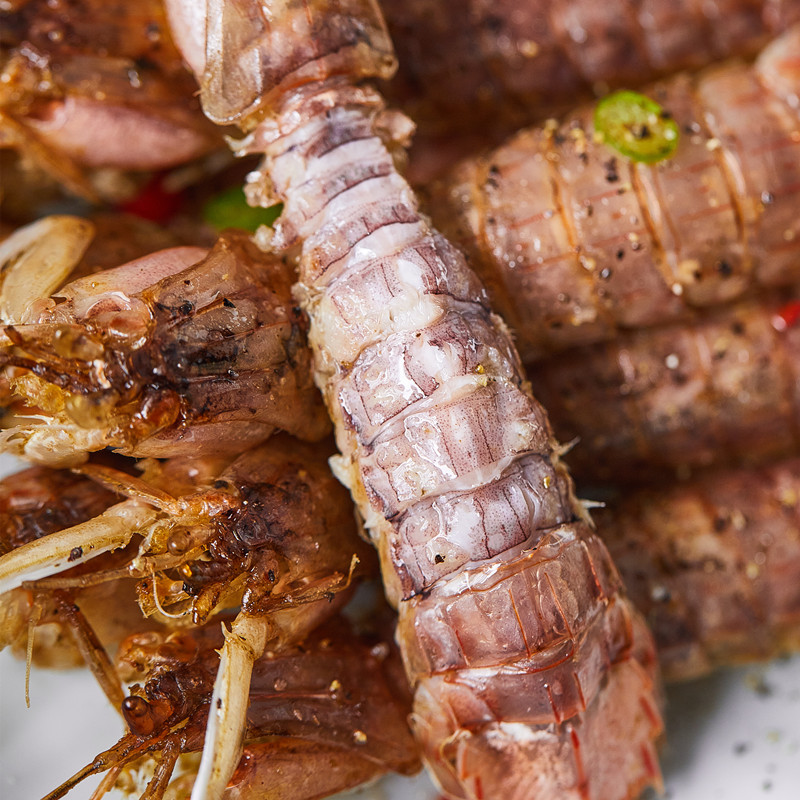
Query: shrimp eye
138, 715
179, 542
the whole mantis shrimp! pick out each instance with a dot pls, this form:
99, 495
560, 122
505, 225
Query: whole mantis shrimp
181, 351
576, 243
723, 388
515, 633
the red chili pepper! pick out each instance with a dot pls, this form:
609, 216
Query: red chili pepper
154, 202
788, 316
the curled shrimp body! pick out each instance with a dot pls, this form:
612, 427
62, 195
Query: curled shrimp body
182, 351
515, 634
576, 243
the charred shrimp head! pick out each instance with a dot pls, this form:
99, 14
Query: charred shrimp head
180, 352
92, 83
324, 715
267, 530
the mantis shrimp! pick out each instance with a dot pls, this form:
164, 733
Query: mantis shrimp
181, 351
91, 84
515, 633
270, 532
576, 243
723, 388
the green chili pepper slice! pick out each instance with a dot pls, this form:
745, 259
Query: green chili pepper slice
230, 210
636, 126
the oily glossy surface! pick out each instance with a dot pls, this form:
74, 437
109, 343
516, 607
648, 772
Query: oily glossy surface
576, 243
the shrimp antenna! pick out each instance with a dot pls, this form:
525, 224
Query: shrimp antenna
170, 754
91, 649
65, 549
244, 644
124, 751
107, 783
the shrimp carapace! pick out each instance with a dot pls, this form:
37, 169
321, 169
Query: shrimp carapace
516, 637
180, 352
714, 564
270, 531
576, 242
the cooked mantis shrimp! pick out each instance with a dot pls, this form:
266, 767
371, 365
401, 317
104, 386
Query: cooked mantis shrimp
355, 717
715, 564
323, 716
722, 389
95, 84
269, 532
576, 242
508, 63
180, 352
516, 636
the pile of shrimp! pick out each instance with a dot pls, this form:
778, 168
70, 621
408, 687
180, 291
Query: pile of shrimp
664, 297
220, 520
532, 672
